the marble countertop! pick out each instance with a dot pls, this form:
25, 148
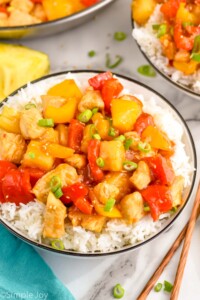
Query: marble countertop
93, 279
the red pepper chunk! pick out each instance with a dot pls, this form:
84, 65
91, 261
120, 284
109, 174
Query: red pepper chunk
34, 173
182, 41
5, 166
4, 10
170, 8
97, 81
161, 169
16, 187
159, 199
89, 2
111, 89
84, 206
75, 134
143, 122
93, 154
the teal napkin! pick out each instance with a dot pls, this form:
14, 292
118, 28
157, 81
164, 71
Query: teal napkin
24, 274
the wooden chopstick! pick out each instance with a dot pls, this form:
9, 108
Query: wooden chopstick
150, 284
186, 246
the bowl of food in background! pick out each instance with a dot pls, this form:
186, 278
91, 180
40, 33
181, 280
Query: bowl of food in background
92, 163
168, 34
29, 18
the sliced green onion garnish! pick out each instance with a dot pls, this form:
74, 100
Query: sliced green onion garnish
185, 24
158, 287
95, 110
46, 123
195, 56
91, 53
120, 138
100, 162
173, 210
196, 47
120, 36
112, 132
144, 147
85, 116
129, 165
146, 70
58, 245
168, 286
92, 130
118, 291
146, 207
162, 30
55, 183
58, 193
128, 143
31, 155
109, 204
118, 61
96, 136
156, 26
29, 106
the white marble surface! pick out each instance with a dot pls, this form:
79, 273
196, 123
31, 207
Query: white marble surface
93, 279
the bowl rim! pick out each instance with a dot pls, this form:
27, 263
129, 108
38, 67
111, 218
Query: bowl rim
131, 247
69, 18
162, 73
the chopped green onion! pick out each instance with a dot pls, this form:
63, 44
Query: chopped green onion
31, 155
95, 110
120, 138
85, 116
55, 183
109, 204
129, 165
156, 26
185, 24
96, 136
195, 56
58, 193
158, 287
144, 147
146, 207
46, 122
100, 162
92, 130
173, 210
118, 291
91, 53
118, 61
58, 245
128, 143
196, 47
162, 30
167, 286
146, 70
112, 132
29, 106
120, 36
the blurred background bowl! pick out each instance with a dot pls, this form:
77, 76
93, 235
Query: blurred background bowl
55, 26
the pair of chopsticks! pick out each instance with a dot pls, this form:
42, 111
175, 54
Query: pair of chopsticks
187, 233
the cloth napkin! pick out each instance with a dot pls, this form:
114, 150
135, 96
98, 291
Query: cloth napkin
24, 274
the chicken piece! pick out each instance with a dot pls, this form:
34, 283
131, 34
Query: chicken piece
54, 218
168, 46
29, 124
77, 161
102, 126
87, 136
12, 147
23, 5
3, 19
20, 18
90, 222
39, 12
113, 154
141, 176
177, 191
65, 172
103, 191
50, 136
91, 99
121, 181
132, 207
135, 139
182, 56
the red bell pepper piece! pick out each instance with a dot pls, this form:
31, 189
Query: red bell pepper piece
97, 81
159, 199
182, 41
111, 89
84, 206
161, 169
93, 154
89, 2
142, 122
34, 173
16, 187
75, 134
170, 8
4, 10
5, 166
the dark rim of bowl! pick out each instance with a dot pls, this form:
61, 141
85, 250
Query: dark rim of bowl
126, 248
163, 74
71, 17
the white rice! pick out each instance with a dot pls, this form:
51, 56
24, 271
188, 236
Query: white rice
150, 45
28, 219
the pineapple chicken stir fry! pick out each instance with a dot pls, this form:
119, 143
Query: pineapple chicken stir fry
89, 156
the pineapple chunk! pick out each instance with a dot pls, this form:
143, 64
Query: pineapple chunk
113, 154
